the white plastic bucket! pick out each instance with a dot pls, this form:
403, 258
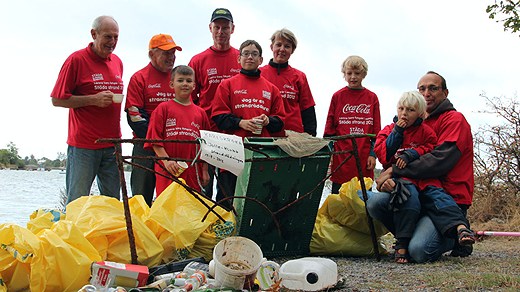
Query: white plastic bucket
236, 258
309, 274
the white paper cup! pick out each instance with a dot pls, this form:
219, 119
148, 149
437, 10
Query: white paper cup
258, 123
183, 165
117, 98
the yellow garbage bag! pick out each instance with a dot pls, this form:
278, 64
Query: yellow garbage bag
212, 235
139, 207
341, 226
176, 219
43, 219
19, 248
331, 238
66, 259
353, 213
102, 221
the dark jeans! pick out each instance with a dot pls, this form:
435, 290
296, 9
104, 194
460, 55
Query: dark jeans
335, 188
446, 215
208, 189
427, 242
142, 181
228, 182
406, 217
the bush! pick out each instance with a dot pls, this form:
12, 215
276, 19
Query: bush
497, 169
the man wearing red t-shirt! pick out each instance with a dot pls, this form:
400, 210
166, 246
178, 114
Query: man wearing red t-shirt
451, 161
148, 88
217, 63
86, 85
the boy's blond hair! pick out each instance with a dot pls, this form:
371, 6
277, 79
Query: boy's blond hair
354, 63
413, 99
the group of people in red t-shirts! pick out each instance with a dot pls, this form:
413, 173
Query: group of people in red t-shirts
224, 89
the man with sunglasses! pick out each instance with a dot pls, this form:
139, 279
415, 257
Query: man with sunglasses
451, 161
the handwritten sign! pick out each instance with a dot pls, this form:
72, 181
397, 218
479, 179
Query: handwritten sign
223, 151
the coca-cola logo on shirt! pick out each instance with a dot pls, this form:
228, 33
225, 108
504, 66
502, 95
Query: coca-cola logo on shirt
240, 91
359, 109
289, 86
156, 85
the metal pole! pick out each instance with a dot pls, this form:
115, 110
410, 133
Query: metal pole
365, 199
128, 217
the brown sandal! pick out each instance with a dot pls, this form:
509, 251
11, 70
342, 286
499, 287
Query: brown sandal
401, 256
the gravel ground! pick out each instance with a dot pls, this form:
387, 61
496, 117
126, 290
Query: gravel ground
493, 266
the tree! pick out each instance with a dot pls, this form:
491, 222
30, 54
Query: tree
62, 157
10, 156
497, 162
506, 11
4, 157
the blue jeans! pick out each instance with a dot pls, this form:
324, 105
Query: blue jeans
142, 181
83, 165
406, 217
427, 243
443, 210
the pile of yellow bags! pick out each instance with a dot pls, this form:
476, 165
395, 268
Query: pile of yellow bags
341, 226
55, 251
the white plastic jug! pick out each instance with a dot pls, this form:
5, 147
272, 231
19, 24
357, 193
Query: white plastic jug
309, 274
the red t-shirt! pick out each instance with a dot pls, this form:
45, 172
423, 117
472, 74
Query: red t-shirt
174, 121
352, 111
451, 126
248, 97
85, 73
148, 88
295, 92
211, 67
420, 138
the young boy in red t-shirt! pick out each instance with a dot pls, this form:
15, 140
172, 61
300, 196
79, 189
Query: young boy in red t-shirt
353, 110
178, 119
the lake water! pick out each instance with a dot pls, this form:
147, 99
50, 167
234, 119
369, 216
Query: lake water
22, 192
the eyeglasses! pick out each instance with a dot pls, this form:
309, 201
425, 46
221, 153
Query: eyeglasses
431, 88
253, 54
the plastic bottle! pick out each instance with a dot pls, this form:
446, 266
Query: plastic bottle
178, 282
197, 279
166, 276
192, 267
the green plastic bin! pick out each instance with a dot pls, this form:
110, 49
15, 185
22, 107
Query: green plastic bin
276, 179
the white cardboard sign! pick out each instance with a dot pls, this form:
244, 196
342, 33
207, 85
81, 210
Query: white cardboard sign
223, 151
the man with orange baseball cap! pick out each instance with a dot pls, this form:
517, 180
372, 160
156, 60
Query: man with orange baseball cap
148, 88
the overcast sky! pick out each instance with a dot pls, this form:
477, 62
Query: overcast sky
400, 40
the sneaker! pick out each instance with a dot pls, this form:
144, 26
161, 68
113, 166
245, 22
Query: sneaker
461, 250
